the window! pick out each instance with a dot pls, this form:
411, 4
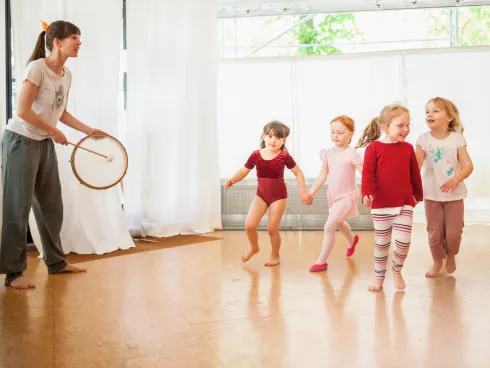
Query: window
336, 33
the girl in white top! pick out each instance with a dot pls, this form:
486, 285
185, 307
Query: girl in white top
446, 163
29, 163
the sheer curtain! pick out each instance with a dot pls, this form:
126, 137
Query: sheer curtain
305, 94
93, 220
308, 92
172, 186
3, 95
251, 94
354, 85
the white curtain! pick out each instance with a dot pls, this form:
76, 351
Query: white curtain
252, 93
94, 221
172, 186
306, 93
3, 96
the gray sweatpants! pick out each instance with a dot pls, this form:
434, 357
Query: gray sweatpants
30, 179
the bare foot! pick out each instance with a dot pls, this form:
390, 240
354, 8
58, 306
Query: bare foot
22, 283
251, 252
399, 281
72, 269
274, 261
434, 270
377, 284
450, 264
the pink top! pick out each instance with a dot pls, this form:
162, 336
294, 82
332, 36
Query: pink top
341, 171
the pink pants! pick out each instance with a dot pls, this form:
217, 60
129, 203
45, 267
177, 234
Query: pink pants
445, 222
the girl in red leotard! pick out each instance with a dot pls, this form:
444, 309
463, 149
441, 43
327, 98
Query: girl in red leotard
270, 161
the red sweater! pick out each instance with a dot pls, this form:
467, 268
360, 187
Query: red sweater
391, 175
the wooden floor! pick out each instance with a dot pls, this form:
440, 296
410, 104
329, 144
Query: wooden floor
198, 306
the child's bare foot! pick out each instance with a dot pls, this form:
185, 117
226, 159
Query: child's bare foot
274, 261
450, 264
399, 281
434, 270
22, 283
251, 252
72, 269
377, 284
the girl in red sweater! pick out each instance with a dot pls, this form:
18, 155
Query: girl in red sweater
391, 187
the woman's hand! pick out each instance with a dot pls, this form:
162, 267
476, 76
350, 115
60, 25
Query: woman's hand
59, 137
228, 184
94, 131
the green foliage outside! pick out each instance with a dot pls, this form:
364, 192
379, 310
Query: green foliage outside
473, 29
333, 28
465, 26
474, 26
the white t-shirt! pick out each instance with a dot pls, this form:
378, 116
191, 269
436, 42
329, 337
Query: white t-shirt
441, 164
50, 100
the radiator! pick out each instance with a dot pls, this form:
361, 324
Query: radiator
236, 201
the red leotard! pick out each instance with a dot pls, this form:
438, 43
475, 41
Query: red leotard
270, 175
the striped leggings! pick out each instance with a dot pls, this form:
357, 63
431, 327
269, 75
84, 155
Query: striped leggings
387, 220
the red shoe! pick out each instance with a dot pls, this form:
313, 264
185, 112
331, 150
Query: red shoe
351, 250
319, 267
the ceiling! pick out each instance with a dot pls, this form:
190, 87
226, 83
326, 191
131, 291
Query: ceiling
240, 8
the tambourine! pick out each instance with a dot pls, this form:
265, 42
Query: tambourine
99, 161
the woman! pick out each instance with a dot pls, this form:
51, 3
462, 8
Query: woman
30, 167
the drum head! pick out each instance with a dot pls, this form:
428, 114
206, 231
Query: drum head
103, 168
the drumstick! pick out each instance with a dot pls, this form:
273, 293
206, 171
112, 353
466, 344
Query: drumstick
108, 158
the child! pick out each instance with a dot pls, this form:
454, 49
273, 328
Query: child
391, 186
442, 152
339, 165
271, 190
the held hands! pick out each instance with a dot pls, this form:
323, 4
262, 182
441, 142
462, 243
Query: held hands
450, 185
306, 198
367, 201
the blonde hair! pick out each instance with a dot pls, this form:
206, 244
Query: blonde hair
450, 109
347, 121
373, 131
